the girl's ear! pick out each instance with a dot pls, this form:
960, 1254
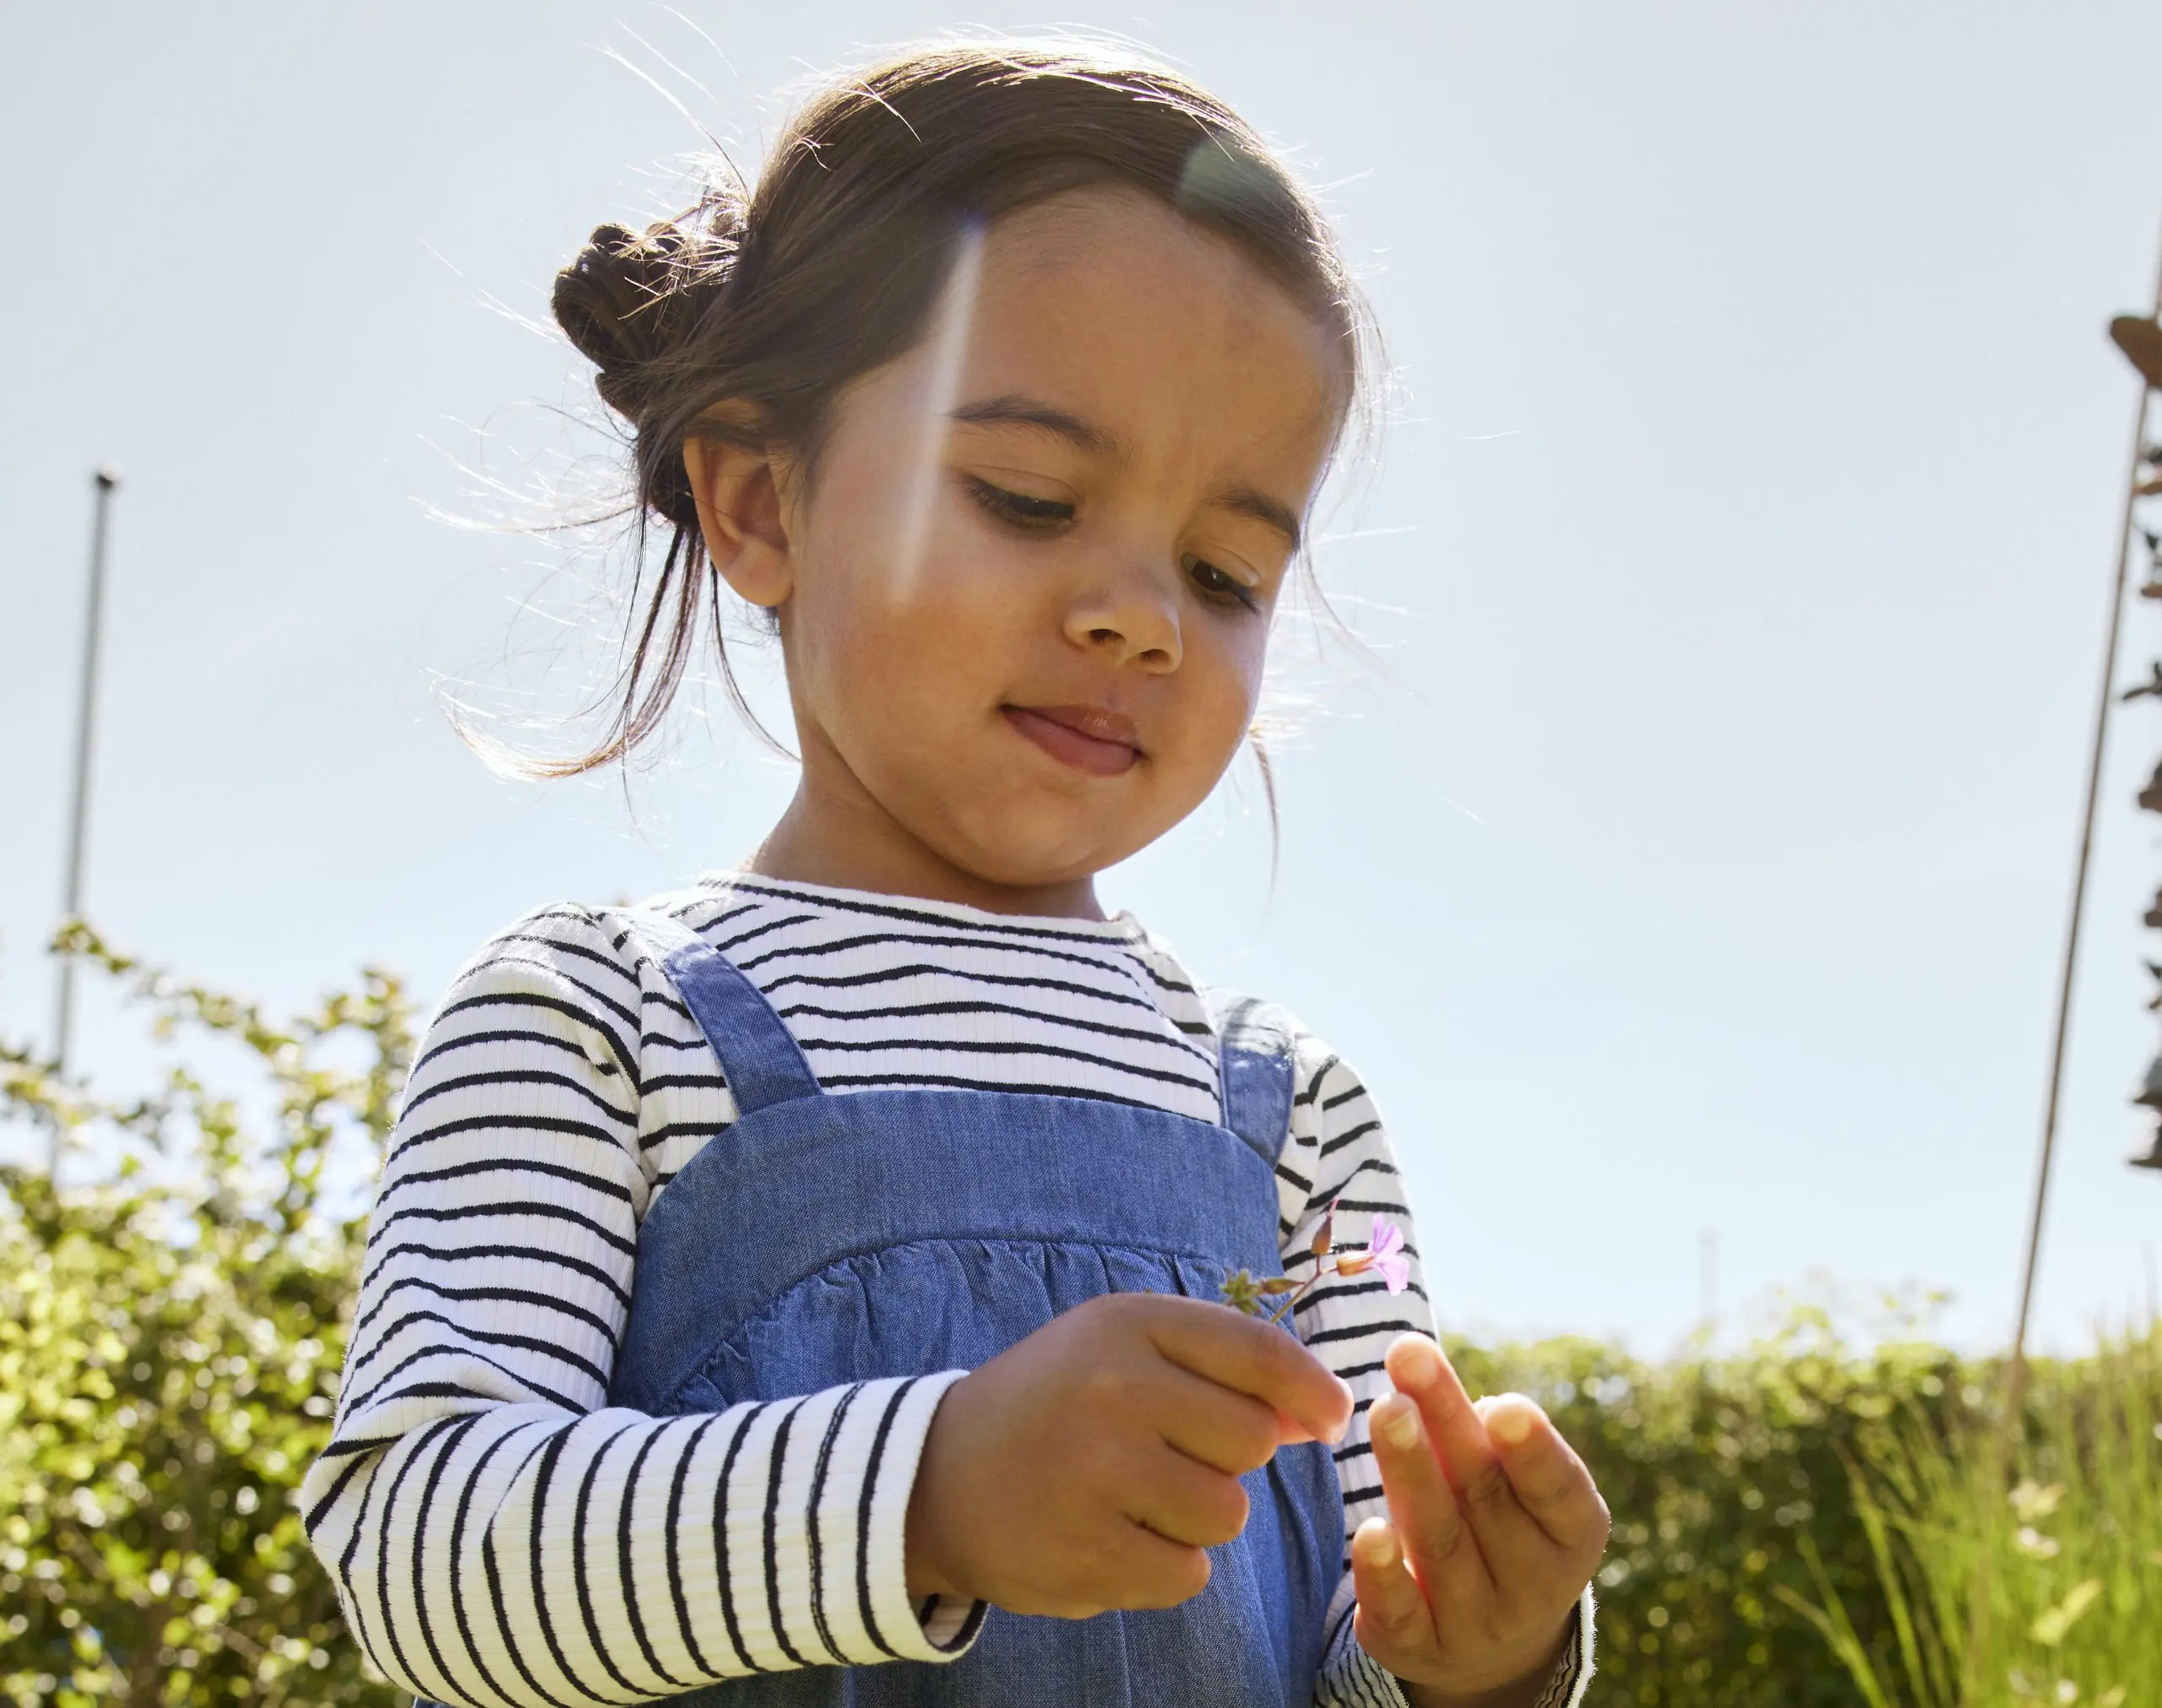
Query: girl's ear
740, 512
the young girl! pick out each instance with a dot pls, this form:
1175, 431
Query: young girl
806, 1288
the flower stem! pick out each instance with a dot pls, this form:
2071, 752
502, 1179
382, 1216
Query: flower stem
1292, 1298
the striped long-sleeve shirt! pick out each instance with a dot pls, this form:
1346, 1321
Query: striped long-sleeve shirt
499, 1534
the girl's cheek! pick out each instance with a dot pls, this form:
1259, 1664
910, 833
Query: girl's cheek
1213, 715
1242, 663
931, 646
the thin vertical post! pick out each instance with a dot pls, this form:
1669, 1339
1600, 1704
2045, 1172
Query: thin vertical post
106, 482
1708, 1277
2016, 1388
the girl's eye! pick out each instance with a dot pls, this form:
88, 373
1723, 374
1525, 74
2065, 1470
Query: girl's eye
1018, 508
1219, 583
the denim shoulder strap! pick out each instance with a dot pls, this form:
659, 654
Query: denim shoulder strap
758, 1055
1256, 1057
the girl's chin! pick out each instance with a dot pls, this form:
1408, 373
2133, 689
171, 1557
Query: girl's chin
1039, 851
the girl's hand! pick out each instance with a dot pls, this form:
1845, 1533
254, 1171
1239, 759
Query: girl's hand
1091, 1465
1466, 1591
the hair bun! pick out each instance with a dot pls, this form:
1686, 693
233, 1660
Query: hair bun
626, 300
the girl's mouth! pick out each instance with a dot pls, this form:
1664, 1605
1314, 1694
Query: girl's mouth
1093, 739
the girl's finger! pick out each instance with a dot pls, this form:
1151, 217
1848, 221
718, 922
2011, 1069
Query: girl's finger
1153, 1571
1249, 1358
1394, 1625
1427, 1520
1551, 1483
1508, 1538
1183, 1500
1233, 1432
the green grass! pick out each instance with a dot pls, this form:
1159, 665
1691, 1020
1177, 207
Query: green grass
2014, 1571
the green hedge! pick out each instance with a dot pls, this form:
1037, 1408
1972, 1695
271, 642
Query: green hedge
1714, 1468
169, 1352
170, 1347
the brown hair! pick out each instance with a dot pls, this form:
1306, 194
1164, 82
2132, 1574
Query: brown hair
775, 298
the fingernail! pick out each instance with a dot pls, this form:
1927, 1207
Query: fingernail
1512, 1422
1388, 1556
1420, 1363
1399, 1424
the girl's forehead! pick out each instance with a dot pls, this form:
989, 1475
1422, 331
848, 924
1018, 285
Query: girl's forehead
1117, 248
1110, 297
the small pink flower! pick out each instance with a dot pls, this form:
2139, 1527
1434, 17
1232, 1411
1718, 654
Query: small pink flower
1384, 1252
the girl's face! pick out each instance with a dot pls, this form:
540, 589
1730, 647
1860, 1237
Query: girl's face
1024, 600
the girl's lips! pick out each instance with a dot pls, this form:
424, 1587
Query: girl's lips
1093, 739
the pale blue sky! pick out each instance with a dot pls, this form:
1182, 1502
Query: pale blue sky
1695, 859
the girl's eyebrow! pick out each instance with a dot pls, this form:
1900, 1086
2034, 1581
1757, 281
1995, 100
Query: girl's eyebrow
1242, 499
1015, 411
1010, 410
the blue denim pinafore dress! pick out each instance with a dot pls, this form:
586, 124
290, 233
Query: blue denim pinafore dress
829, 1238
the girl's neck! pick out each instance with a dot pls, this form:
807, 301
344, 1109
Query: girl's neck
843, 840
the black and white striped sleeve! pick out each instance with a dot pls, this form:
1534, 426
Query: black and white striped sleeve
1338, 1155
499, 1535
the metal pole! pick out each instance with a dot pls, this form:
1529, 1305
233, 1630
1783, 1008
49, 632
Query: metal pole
1708, 1277
2016, 1384
106, 481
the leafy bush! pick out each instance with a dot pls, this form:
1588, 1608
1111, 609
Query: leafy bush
170, 1341
168, 1358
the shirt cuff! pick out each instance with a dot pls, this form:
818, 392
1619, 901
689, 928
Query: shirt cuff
1351, 1678
1573, 1672
944, 1627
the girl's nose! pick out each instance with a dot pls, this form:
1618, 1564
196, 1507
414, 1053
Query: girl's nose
1133, 620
